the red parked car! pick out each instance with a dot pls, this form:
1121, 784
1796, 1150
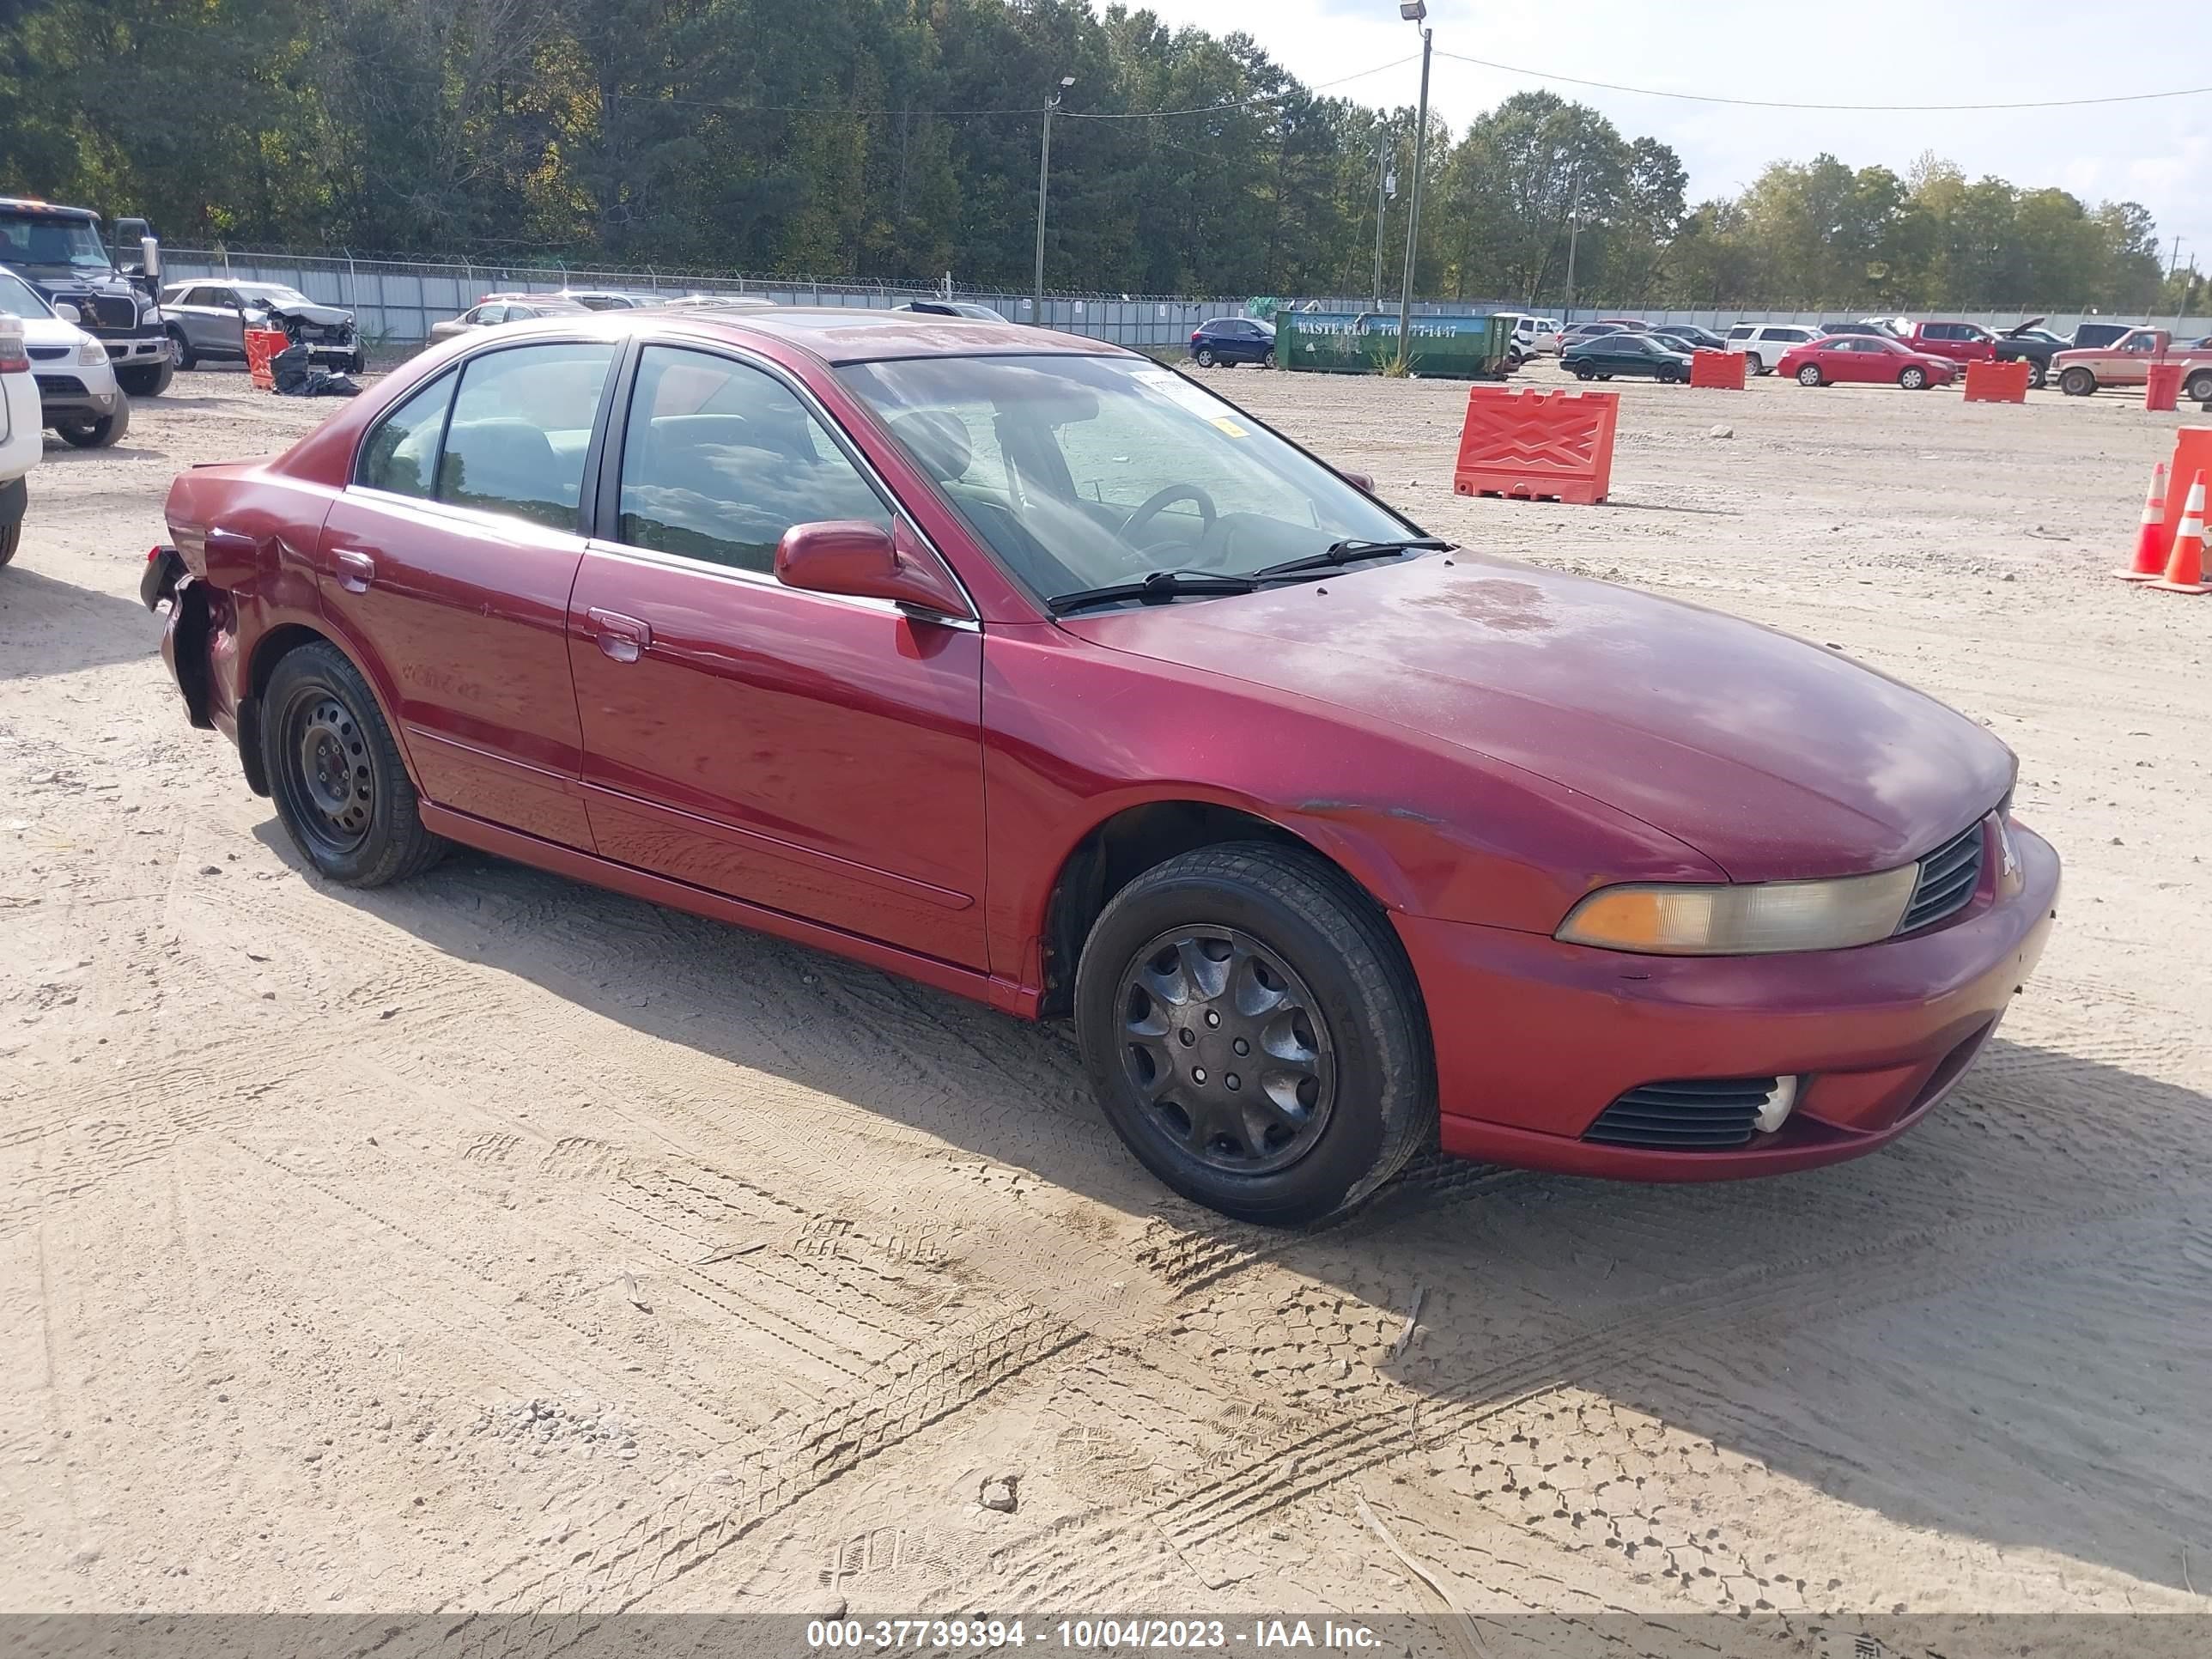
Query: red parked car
1025, 667
1863, 359
1962, 343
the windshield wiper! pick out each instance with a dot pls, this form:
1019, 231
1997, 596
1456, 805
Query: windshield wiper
1350, 552
1160, 585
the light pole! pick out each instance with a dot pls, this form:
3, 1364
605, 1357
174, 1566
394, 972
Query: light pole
1414, 11
1382, 183
1044, 187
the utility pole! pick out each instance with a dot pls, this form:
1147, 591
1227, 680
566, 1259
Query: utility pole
1414, 11
1574, 230
1044, 190
1381, 201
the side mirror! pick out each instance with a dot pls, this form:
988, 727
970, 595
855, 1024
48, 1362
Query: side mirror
865, 560
1362, 482
229, 558
68, 312
149, 259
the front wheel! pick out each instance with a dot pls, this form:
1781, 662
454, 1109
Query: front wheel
2198, 388
1256, 1034
147, 379
341, 789
1809, 375
99, 434
11, 537
1912, 378
2077, 382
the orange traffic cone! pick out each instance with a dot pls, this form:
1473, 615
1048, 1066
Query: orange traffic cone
2185, 571
2150, 536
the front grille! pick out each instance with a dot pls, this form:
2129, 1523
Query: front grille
50, 353
61, 385
1949, 876
109, 312
1693, 1115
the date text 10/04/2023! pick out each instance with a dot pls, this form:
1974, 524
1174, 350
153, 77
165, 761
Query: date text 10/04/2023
1084, 1634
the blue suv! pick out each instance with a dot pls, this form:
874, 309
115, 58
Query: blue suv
1226, 341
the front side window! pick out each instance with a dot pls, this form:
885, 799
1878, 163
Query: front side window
719, 459
1082, 471
401, 454
521, 423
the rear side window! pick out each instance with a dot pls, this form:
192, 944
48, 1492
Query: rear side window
1739, 333
719, 459
401, 453
522, 420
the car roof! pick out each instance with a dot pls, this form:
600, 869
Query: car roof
32, 204
839, 335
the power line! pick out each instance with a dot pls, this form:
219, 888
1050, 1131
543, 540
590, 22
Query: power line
1775, 103
1215, 109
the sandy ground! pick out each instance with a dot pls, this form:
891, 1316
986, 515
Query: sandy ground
494, 1242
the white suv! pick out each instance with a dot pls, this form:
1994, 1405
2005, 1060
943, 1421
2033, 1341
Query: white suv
1763, 343
22, 442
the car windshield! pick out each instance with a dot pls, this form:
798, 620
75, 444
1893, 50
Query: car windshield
276, 292
1081, 472
19, 299
29, 239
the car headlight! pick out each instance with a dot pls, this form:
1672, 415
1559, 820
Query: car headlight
1760, 919
90, 352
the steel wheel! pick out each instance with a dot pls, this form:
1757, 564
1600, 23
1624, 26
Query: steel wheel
1809, 375
1913, 378
329, 781
1227, 1049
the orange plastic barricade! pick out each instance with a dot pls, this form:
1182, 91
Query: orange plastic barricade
2162, 390
262, 345
1555, 445
1997, 383
2192, 454
1722, 370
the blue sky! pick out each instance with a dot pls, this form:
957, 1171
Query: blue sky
2158, 152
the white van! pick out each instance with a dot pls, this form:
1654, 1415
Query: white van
22, 437
1763, 343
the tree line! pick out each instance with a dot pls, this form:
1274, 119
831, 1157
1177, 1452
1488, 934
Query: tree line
897, 140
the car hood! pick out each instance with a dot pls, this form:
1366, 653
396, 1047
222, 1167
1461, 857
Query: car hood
322, 316
1774, 758
52, 332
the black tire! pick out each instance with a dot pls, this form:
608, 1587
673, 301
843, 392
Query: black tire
339, 784
1753, 365
96, 435
2198, 387
2037, 374
147, 379
1335, 965
11, 537
1582, 374
357, 364
2077, 381
1912, 378
182, 348
1206, 357
1809, 375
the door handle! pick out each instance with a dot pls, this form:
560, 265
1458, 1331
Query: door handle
621, 639
356, 570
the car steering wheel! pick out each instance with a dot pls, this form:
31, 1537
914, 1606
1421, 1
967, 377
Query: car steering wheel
1168, 497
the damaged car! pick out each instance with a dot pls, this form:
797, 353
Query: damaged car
208, 320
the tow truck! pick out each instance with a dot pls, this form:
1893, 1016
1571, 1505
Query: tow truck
60, 252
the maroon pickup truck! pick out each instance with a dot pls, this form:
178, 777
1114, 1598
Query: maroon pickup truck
1962, 343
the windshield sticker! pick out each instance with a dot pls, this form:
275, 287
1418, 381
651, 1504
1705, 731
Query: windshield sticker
1166, 383
1224, 424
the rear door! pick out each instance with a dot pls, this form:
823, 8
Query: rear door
817, 754
447, 564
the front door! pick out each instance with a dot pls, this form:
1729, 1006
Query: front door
448, 562
816, 755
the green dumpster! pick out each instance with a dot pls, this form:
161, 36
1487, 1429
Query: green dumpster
1365, 342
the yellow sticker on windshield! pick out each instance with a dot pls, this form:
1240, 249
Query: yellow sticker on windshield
1225, 424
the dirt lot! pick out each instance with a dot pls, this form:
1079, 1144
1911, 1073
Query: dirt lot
494, 1243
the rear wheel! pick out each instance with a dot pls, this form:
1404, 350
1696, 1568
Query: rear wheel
1751, 365
99, 434
1912, 377
11, 537
1584, 373
2037, 374
180, 349
1255, 1033
1206, 357
1809, 375
341, 789
2077, 382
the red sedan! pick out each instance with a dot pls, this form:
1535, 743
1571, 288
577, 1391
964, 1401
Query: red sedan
1023, 667
1865, 359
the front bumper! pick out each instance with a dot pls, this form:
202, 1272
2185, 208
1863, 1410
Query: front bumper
67, 393
152, 347
1533, 1038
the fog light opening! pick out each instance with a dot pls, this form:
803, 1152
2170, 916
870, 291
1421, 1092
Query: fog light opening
1774, 1112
